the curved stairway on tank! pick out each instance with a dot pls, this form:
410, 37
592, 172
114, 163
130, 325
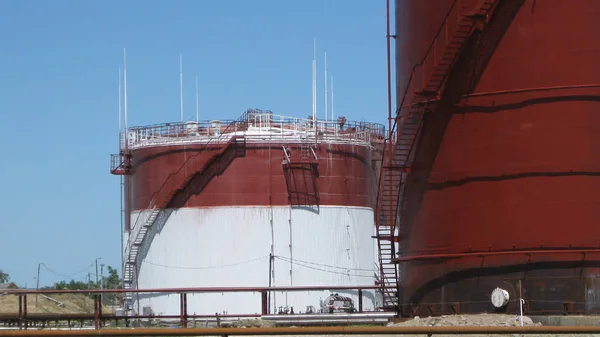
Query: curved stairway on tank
140, 235
404, 136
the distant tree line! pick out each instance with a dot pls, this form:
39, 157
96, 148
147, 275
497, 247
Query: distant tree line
112, 281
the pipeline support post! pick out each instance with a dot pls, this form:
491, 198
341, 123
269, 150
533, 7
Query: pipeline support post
22, 310
183, 309
264, 302
97, 310
360, 300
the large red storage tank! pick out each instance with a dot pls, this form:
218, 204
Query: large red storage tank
505, 187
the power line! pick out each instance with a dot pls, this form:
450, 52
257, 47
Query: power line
207, 267
325, 265
300, 263
324, 270
67, 275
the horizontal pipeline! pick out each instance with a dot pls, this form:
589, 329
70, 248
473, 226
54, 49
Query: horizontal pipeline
111, 316
523, 90
512, 91
496, 253
325, 316
330, 322
188, 290
422, 330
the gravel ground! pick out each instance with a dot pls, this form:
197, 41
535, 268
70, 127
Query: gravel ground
450, 320
476, 320
467, 320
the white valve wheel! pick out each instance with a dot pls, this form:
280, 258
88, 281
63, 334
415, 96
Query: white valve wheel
500, 297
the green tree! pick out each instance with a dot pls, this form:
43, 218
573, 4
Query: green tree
112, 281
62, 285
4, 277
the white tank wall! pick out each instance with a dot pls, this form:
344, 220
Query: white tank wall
230, 247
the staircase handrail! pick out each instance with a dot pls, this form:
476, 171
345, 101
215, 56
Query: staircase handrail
380, 185
134, 230
212, 159
285, 153
391, 144
378, 215
314, 153
224, 134
401, 106
431, 48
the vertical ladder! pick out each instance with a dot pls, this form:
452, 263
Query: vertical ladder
305, 149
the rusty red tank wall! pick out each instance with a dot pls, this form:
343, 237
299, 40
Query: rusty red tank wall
346, 176
507, 171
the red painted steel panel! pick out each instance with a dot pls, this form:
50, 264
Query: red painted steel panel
518, 170
346, 176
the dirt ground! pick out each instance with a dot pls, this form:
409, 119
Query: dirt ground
72, 303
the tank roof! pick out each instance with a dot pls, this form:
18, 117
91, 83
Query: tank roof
257, 126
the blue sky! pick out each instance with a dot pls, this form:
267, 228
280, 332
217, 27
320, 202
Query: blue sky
58, 99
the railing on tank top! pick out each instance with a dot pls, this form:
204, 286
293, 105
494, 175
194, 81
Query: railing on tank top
255, 127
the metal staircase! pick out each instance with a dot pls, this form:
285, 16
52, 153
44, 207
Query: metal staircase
121, 165
404, 134
394, 173
132, 249
235, 141
140, 231
467, 23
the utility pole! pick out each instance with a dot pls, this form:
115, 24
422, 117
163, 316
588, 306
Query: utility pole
101, 280
98, 258
37, 284
89, 280
102, 276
